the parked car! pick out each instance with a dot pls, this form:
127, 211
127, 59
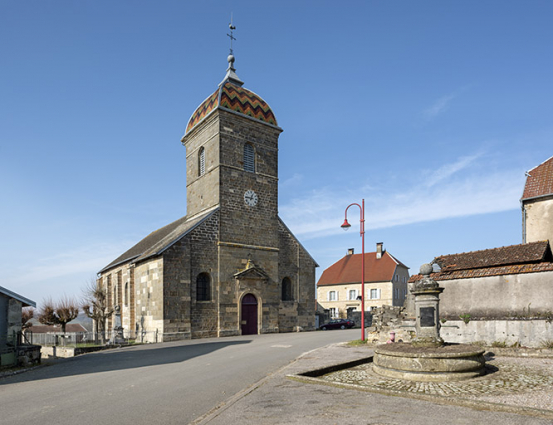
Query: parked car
338, 324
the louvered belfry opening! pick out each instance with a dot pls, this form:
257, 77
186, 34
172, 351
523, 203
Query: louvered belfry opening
249, 158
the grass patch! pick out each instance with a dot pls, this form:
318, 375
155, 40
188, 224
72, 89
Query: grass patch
546, 343
357, 342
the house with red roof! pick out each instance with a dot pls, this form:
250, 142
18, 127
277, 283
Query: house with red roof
537, 203
339, 288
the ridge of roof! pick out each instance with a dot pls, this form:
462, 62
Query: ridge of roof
347, 269
161, 239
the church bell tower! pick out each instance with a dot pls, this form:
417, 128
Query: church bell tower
231, 145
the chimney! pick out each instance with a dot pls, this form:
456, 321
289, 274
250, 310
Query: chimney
350, 251
379, 250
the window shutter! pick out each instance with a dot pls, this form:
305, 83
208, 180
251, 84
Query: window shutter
249, 158
378, 294
202, 162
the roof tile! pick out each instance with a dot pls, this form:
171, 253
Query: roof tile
539, 181
348, 269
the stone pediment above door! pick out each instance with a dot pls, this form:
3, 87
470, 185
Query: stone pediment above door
251, 272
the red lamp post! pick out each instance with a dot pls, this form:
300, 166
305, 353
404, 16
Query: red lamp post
346, 226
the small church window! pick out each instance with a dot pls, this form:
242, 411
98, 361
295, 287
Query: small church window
287, 289
126, 294
249, 158
201, 162
203, 287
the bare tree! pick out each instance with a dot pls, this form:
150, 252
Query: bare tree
27, 314
95, 305
59, 313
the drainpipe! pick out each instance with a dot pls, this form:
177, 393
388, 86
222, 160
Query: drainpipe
523, 221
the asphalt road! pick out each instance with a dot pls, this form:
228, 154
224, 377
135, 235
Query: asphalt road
169, 383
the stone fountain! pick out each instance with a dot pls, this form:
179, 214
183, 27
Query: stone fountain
427, 357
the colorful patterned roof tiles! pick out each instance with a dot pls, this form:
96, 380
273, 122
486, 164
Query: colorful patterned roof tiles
241, 100
234, 98
203, 110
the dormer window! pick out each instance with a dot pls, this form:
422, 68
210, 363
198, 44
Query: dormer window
201, 162
249, 158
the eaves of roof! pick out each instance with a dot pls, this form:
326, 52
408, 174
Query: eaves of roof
25, 301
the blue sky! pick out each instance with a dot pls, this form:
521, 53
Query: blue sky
431, 111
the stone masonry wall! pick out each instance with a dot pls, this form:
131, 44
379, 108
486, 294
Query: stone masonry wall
296, 264
149, 296
233, 259
203, 259
176, 291
238, 219
201, 191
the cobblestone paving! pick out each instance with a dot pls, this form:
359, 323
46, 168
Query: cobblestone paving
502, 377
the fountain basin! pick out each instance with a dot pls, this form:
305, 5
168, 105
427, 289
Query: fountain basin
450, 362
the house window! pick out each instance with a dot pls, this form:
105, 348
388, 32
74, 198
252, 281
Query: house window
287, 289
201, 162
332, 296
396, 293
333, 312
375, 294
352, 294
203, 287
249, 158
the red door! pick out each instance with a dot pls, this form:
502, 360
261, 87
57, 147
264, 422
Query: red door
249, 315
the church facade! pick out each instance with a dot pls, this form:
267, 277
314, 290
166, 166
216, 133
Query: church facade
230, 266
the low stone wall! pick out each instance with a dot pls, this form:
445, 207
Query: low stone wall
491, 332
526, 333
50, 351
28, 355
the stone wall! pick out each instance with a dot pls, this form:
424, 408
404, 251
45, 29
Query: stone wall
526, 333
238, 219
538, 219
498, 297
203, 259
200, 193
149, 295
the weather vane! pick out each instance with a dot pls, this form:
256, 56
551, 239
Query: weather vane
231, 36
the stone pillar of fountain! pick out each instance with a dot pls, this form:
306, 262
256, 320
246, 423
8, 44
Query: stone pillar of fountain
427, 313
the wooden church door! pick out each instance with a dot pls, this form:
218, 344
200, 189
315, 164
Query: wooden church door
249, 315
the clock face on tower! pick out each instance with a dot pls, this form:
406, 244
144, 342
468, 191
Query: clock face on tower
250, 198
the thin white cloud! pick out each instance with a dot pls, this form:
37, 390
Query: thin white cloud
439, 106
87, 260
442, 104
448, 170
456, 196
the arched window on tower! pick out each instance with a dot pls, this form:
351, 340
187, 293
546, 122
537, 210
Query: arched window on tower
249, 158
201, 162
203, 287
287, 289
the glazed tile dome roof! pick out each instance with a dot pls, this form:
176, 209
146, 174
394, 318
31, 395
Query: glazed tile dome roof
233, 97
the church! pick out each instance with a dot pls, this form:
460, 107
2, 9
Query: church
230, 266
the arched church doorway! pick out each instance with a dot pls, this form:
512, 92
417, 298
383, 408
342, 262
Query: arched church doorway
249, 315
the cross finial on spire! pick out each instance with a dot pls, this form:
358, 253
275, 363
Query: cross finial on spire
231, 35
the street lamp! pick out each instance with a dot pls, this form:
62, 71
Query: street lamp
346, 226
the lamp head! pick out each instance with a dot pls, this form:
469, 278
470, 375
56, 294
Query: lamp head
346, 225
